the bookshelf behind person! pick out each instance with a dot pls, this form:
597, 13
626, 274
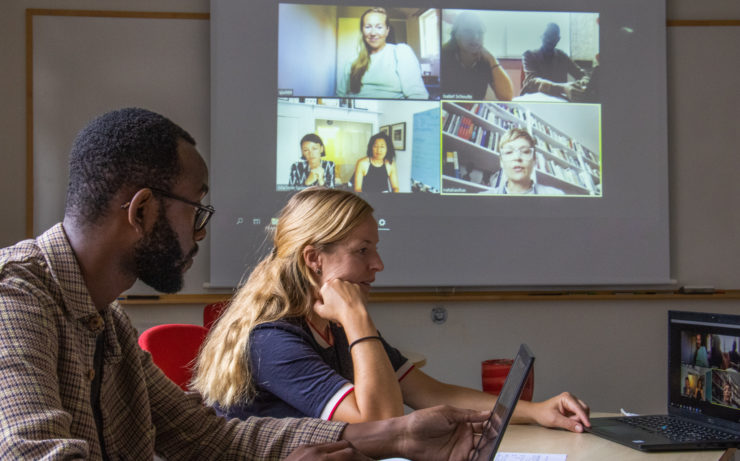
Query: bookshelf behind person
297, 339
471, 139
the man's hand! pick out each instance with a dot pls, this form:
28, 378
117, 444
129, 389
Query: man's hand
434, 434
441, 433
337, 451
573, 90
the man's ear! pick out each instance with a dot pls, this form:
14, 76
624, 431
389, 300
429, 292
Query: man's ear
142, 210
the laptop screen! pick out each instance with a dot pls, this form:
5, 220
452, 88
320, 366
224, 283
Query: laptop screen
494, 428
704, 366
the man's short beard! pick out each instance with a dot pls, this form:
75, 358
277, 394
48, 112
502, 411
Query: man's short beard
158, 258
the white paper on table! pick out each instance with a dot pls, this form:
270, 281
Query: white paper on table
504, 456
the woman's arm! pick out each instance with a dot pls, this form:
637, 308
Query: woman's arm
360, 171
343, 83
422, 391
563, 411
500, 81
409, 73
376, 394
393, 175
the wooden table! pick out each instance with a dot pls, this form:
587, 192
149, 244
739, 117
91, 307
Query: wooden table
521, 438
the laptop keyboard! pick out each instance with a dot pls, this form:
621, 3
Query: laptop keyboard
676, 429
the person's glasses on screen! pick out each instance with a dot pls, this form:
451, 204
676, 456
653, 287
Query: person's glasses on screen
525, 152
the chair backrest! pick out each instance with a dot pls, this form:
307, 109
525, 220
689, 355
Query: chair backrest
174, 347
212, 312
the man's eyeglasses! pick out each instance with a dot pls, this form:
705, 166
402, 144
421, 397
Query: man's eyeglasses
525, 152
203, 213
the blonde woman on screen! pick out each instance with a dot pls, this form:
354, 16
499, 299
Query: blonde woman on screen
381, 69
297, 339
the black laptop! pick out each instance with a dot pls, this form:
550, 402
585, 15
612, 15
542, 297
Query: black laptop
493, 430
703, 390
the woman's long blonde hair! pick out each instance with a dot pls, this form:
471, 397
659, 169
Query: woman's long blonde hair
281, 286
360, 65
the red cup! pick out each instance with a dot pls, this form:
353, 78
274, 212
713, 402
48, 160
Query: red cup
493, 375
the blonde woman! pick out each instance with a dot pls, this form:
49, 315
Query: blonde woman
297, 339
381, 69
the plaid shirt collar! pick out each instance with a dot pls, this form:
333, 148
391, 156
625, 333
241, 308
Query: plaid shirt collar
66, 271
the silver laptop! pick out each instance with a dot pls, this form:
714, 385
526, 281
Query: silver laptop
703, 390
493, 429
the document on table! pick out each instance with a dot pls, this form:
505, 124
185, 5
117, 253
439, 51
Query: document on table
504, 456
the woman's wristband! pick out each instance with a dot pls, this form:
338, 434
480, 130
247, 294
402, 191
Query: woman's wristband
364, 338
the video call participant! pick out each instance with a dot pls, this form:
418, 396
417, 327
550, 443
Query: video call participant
518, 161
727, 393
700, 354
687, 387
699, 391
381, 69
546, 69
297, 339
734, 356
377, 172
467, 68
312, 170
75, 383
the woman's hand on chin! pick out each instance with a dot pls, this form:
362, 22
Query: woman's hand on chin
341, 302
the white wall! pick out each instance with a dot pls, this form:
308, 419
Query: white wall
611, 353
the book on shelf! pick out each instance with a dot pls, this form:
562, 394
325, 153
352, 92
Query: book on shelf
452, 161
473, 133
462, 131
541, 162
514, 110
542, 144
453, 123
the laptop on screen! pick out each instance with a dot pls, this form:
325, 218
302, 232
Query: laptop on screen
493, 429
703, 390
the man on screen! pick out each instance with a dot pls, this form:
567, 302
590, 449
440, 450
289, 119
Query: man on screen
75, 383
546, 69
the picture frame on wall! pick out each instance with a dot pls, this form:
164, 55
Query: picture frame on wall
386, 129
398, 136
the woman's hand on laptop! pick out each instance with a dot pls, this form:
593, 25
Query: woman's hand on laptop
564, 411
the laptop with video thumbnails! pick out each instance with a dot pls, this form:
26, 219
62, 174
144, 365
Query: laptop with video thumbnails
703, 390
494, 428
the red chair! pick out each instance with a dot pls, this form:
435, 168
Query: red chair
174, 347
212, 312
